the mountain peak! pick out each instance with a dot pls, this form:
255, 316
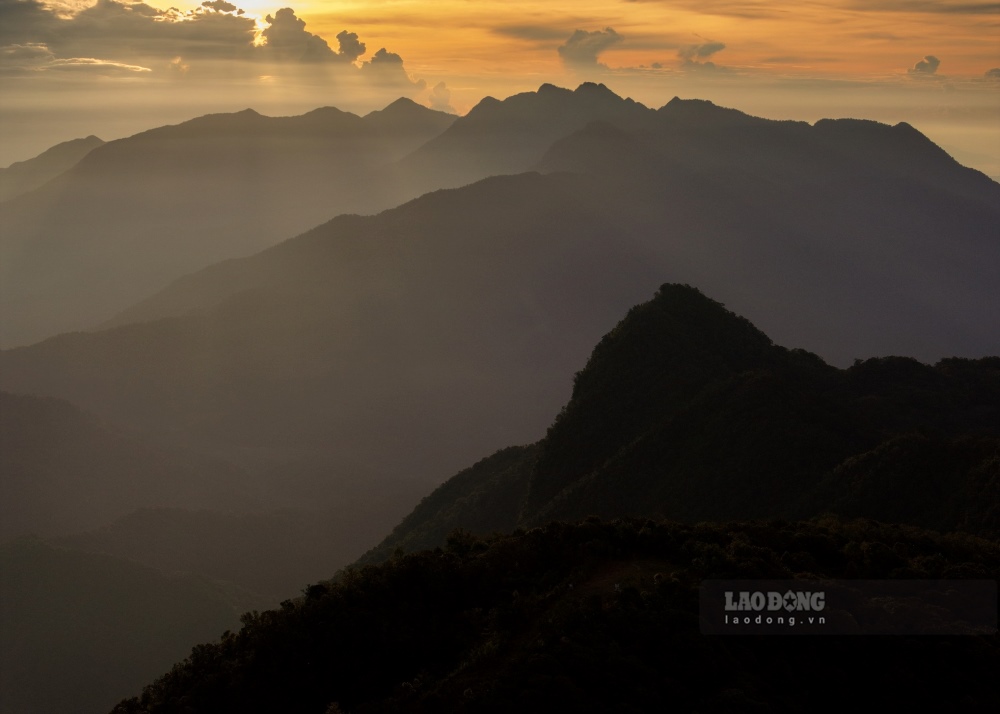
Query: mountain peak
551, 89
703, 111
661, 354
401, 106
595, 88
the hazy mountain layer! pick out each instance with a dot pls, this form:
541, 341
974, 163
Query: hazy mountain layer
404, 343
593, 617
687, 411
24, 176
270, 554
138, 213
80, 631
62, 470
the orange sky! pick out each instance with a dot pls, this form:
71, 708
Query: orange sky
926, 61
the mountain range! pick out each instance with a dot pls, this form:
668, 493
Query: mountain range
254, 411
137, 213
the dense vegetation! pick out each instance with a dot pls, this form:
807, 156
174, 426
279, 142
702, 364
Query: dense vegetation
593, 617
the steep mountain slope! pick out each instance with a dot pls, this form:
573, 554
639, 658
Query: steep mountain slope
687, 411
62, 470
81, 631
24, 176
598, 617
139, 212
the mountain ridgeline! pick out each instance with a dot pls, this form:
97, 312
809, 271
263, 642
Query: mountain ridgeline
686, 411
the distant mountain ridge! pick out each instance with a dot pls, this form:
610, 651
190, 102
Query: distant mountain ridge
181, 202
24, 176
511, 136
142, 211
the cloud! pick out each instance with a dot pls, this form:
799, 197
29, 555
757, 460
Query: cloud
24, 21
925, 67
385, 69
746, 9
441, 98
992, 74
37, 57
695, 57
583, 48
531, 32
28, 56
943, 7
286, 39
350, 47
222, 6
133, 34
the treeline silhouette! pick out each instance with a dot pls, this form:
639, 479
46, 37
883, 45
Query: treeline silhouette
593, 617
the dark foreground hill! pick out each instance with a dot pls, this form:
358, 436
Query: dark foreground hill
687, 411
594, 617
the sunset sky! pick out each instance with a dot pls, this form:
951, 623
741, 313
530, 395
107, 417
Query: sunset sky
74, 67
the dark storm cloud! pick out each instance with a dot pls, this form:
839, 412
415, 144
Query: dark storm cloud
925, 67
583, 48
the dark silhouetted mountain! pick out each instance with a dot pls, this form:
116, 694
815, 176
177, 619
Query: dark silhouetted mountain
137, 213
596, 617
62, 470
687, 411
24, 176
81, 631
